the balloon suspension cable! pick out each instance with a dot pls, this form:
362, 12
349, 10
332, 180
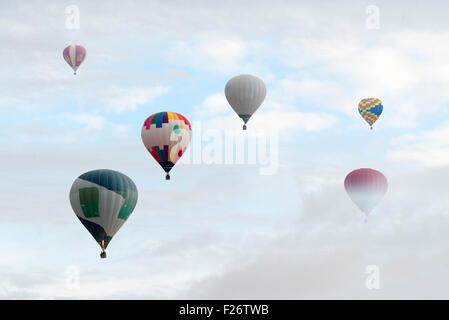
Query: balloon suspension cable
167, 177
244, 127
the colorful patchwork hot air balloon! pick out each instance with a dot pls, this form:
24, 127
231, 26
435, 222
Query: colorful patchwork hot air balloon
370, 109
166, 135
103, 200
245, 93
74, 55
366, 187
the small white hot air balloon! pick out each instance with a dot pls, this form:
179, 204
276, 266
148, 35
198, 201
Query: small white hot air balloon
245, 93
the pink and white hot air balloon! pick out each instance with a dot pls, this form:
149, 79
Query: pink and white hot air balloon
366, 188
74, 55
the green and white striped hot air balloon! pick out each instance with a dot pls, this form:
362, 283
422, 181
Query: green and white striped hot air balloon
103, 200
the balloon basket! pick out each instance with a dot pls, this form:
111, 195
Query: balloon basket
244, 127
103, 255
167, 177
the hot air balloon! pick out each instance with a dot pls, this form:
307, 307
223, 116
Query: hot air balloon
370, 109
166, 135
245, 93
103, 200
366, 187
74, 55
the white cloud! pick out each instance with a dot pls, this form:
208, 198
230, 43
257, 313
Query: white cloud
89, 121
295, 121
429, 148
213, 105
286, 123
324, 94
406, 70
326, 255
385, 68
225, 51
122, 99
216, 113
222, 54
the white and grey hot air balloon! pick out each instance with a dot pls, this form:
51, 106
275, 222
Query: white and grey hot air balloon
245, 93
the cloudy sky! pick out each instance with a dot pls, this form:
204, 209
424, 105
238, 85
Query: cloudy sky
224, 229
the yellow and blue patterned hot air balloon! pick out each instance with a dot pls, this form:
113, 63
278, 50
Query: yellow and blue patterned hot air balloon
370, 109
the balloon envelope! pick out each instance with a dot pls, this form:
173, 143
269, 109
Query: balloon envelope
370, 109
166, 135
366, 187
103, 200
74, 55
245, 93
